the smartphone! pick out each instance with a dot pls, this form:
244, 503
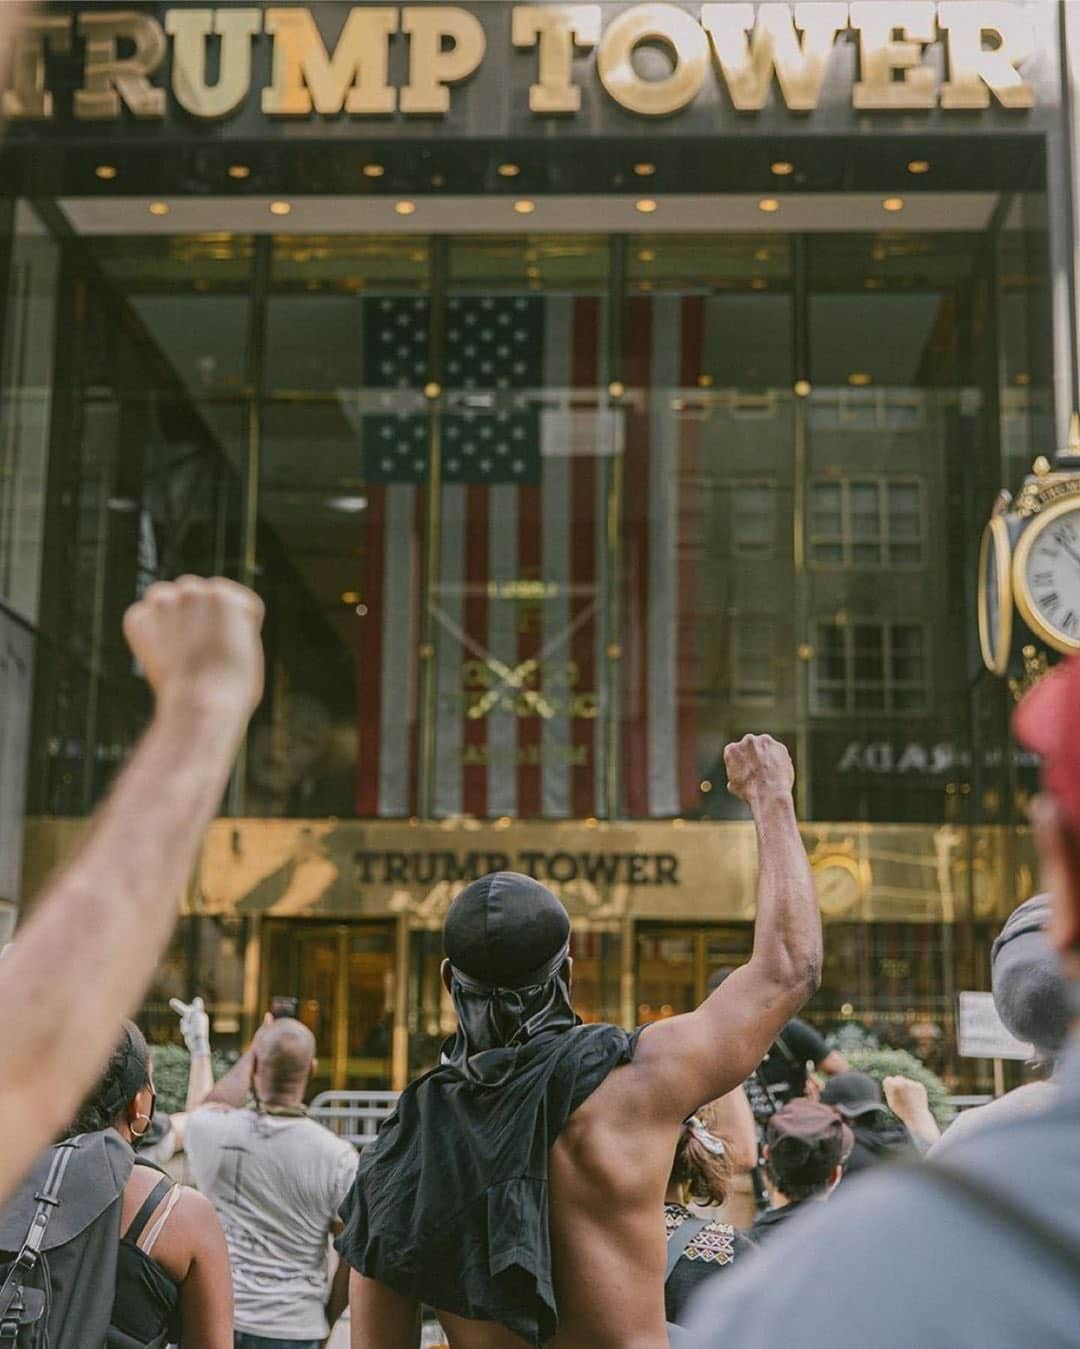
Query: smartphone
282, 1005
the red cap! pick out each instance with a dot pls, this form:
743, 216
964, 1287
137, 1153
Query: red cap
1047, 721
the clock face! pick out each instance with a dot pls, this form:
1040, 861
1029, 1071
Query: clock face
1048, 580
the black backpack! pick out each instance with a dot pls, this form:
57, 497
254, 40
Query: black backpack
59, 1242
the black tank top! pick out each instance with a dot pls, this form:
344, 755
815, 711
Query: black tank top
146, 1306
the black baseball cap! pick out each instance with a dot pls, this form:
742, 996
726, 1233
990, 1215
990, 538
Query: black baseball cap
853, 1094
504, 929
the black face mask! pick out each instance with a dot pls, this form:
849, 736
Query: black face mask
494, 1022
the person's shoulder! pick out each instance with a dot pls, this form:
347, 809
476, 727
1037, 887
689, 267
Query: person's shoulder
332, 1149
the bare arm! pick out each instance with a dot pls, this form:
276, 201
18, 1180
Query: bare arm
731, 1119
206, 1294
235, 1087
85, 956
688, 1060
339, 1287
833, 1063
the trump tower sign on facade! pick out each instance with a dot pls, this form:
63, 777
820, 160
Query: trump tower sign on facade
495, 68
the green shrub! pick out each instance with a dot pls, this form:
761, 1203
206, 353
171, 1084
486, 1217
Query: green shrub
171, 1066
883, 1063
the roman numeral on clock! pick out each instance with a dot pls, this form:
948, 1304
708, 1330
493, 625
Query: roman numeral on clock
1043, 578
1049, 602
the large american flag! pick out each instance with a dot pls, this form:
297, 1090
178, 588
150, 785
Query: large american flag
520, 612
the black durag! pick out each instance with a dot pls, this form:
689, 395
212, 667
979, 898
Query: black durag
450, 1205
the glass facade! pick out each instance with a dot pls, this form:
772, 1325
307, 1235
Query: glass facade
542, 521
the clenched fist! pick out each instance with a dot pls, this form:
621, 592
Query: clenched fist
199, 640
758, 766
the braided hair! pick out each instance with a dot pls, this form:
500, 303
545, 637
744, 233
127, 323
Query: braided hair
126, 1073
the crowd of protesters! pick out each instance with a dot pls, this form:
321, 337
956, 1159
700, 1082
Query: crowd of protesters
549, 1182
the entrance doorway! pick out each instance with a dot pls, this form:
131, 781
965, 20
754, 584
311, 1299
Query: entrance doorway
674, 963
342, 976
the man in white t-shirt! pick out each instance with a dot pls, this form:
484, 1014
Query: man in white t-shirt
276, 1180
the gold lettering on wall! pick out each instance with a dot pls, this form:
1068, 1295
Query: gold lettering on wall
190, 29
27, 95
975, 71
658, 25
881, 53
557, 29
774, 44
110, 80
432, 66
356, 77
912, 55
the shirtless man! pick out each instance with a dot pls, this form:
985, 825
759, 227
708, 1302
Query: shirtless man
606, 1177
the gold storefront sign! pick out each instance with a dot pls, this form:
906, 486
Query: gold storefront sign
649, 870
749, 49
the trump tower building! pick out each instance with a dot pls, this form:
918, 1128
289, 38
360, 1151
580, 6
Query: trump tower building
582, 386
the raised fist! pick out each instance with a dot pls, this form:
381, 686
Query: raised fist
758, 765
905, 1097
199, 639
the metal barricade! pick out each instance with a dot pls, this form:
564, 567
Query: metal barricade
353, 1115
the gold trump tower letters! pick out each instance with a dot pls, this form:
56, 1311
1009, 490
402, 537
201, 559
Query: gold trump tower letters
747, 47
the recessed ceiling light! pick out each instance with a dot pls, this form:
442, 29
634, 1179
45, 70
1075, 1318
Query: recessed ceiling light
893, 204
646, 205
350, 597
1022, 378
705, 381
524, 206
280, 208
644, 169
859, 379
361, 611
647, 255
405, 207
918, 166
373, 170
706, 785
508, 170
106, 171
802, 388
761, 255
432, 389
239, 171
158, 208
768, 205
783, 168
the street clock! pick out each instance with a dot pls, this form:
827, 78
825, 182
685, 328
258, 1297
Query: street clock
1029, 568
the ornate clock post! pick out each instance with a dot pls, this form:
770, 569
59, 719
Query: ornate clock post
1029, 571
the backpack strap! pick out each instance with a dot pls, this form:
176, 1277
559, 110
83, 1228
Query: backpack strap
146, 1211
48, 1198
678, 1242
1038, 1232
